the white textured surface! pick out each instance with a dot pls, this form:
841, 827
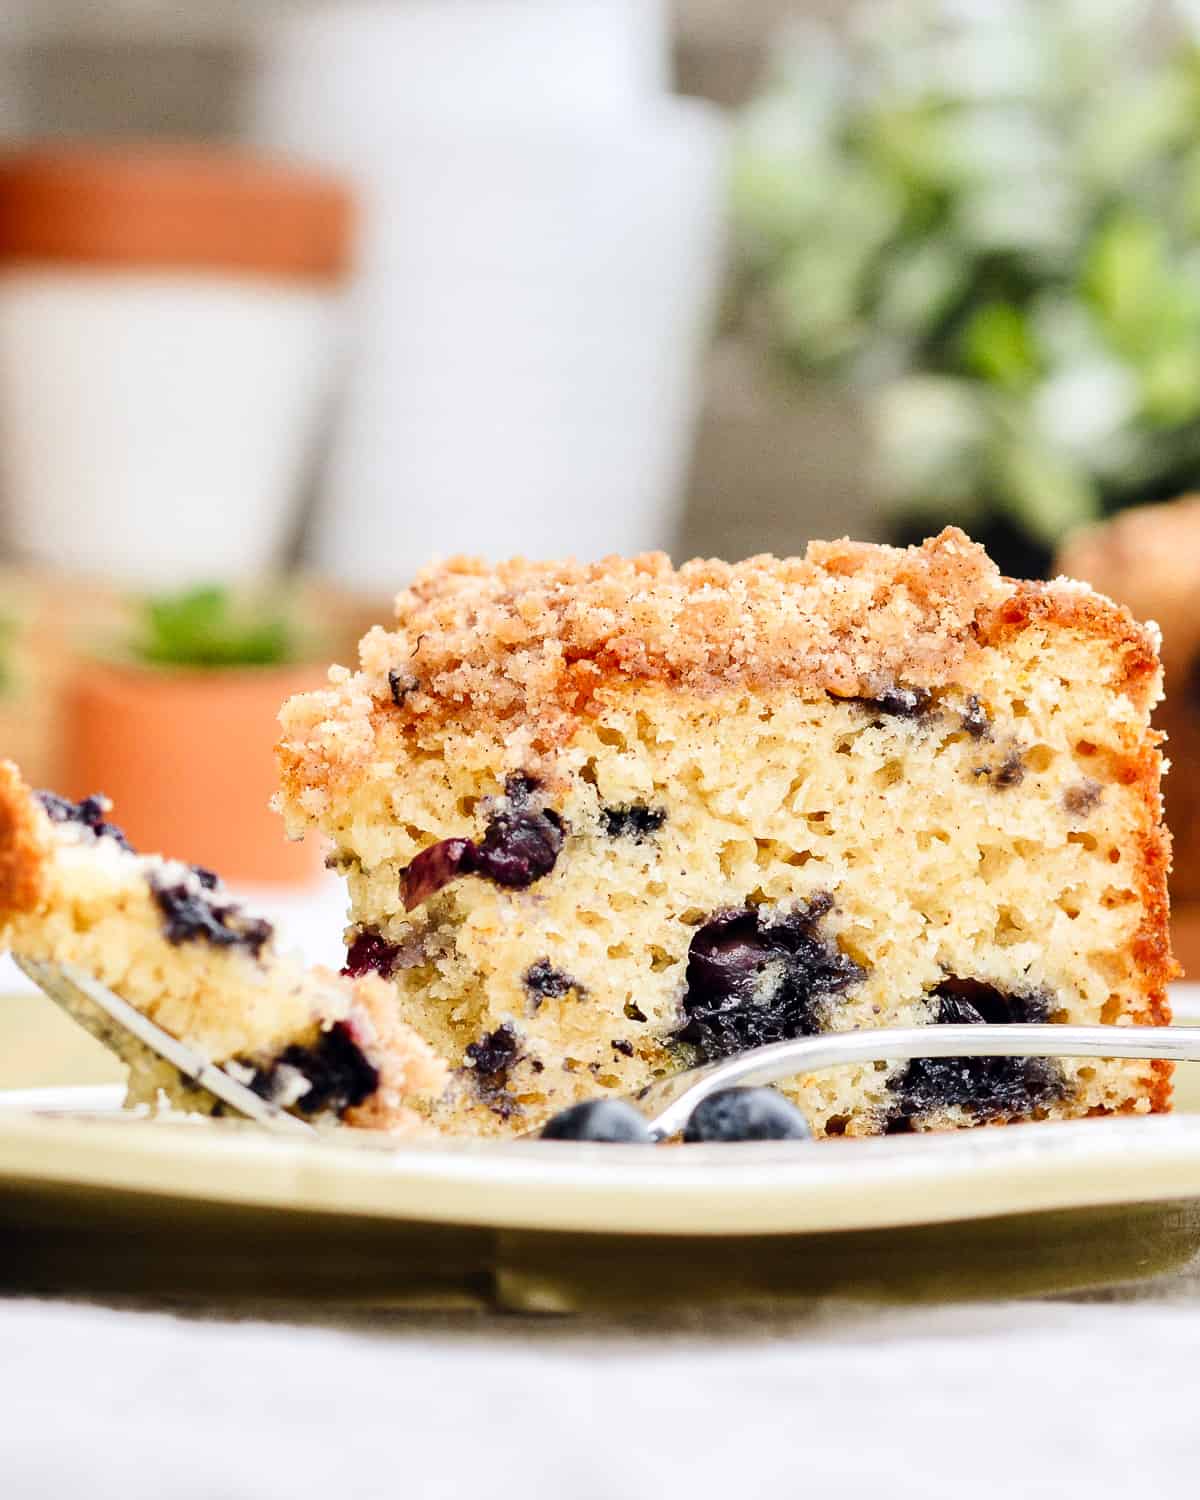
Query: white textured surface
1007, 1400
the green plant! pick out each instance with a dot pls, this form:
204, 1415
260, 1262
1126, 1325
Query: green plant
987, 218
215, 627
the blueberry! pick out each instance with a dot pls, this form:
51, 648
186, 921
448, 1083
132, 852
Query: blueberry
898, 702
633, 821
975, 718
746, 1115
90, 813
543, 981
757, 975
520, 844
987, 1088
339, 1074
493, 1054
599, 1120
194, 910
971, 1000
370, 953
518, 847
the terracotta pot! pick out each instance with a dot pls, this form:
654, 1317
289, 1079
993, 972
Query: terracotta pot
187, 758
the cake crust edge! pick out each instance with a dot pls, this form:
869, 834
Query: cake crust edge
23, 845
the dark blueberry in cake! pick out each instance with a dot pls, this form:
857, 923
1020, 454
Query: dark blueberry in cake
543, 981
975, 719
434, 868
611, 1120
495, 1052
623, 1047
951, 1011
898, 702
519, 786
488, 1061
90, 813
370, 953
518, 847
400, 684
1011, 770
635, 821
194, 911
520, 844
209, 879
339, 1074
757, 976
987, 1088
989, 1003
746, 1115
1083, 798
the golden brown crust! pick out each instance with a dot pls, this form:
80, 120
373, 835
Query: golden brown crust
1134, 646
1069, 606
24, 848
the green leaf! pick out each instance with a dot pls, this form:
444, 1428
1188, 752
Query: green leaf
1145, 305
209, 627
998, 345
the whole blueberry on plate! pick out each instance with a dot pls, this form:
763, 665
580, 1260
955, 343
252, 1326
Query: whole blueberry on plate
746, 1115
599, 1120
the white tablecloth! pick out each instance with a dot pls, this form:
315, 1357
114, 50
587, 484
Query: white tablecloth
1010, 1401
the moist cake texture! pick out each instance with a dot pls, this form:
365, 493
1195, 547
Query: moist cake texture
599, 822
168, 938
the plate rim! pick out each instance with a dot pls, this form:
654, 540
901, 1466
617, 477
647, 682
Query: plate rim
763, 1189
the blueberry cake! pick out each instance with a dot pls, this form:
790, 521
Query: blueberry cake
1149, 559
168, 938
601, 822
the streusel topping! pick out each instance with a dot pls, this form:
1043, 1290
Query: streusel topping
527, 648
533, 642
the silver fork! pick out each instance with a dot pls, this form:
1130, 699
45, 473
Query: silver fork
97, 1009
668, 1103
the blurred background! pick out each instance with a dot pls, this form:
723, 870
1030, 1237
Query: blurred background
295, 295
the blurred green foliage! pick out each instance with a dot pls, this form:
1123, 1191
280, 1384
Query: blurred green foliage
985, 214
213, 627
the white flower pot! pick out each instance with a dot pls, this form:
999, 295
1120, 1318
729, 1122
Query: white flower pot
346, 78
529, 331
167, 328
155, 426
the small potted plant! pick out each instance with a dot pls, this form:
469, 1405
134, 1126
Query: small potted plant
178, 728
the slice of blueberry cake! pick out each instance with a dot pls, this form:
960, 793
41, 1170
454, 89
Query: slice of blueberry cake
169, 939
601, 822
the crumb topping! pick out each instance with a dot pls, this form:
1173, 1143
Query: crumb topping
533, 645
